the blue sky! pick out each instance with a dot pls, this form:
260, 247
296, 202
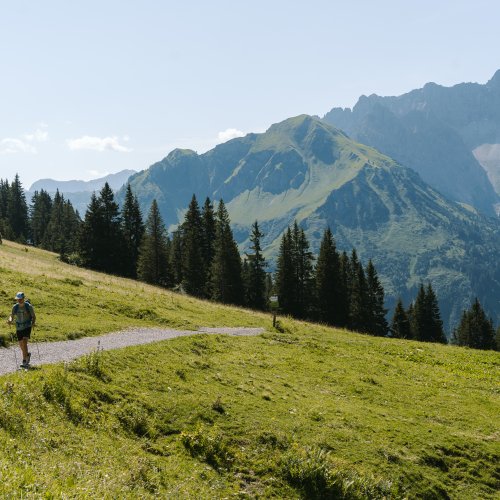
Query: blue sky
90, 88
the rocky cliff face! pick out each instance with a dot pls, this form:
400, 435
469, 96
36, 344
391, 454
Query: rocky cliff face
435, 131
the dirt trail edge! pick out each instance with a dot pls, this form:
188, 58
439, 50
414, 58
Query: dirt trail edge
67, 350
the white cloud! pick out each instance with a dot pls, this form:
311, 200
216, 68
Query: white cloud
98, 144
11, 146
230, 133
40, 134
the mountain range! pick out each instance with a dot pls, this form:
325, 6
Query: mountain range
449, 135
79, 192
307, 170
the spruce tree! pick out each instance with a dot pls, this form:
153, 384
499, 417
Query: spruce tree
358, 297
41, 207
426, 323
17, 211
101, 237
294, 274
255, 274
475, 329
285, 275
175, 257
207, 240
328, 282
303, 271
194, 272
133, 230
377, 324
436, 332
400, 324
152, 266
226, 269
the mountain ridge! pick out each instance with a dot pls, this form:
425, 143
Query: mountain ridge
435, 130
303, 169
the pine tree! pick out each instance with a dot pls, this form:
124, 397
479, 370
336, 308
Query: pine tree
101, 240
475, 329
194, 272
400, 324
17, 211
329, 290
207, 240
285, 275
426, 323
436, 324
226, 269
152, 264
377, 324
294, 275
358, 296
175, 257
255, 275
133, 230
304, 272
41, 207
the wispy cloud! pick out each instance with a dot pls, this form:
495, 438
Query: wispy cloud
40, 135
11, 145
229, 133
25, 144
98, 144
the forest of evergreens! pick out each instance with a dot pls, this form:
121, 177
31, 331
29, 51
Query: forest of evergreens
201, 258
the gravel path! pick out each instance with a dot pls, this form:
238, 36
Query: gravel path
67, 350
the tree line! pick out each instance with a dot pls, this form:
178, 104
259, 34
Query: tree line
201, 258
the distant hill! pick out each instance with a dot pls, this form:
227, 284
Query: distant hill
440, 132
79, 192
304, 169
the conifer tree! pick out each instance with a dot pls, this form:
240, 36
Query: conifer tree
358, 296
475, 329
226, 269
254, 272
133, 230
377, 324
426, 323
175, 257
400, 325
207, 240
17, 211
329, 302
303, 271
5, 229
101, 239
294, 274
194, 271
41, 208
152, 264
285, 275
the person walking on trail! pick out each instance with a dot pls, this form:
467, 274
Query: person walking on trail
24, 316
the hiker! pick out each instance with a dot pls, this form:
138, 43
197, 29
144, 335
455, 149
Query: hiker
25, 318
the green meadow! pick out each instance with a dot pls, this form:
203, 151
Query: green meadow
301, 411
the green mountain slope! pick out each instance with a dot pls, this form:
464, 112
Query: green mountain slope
308, 412
306, 170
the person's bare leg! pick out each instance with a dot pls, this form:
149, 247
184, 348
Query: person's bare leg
23, 344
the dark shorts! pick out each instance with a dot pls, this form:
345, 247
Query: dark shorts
24, 334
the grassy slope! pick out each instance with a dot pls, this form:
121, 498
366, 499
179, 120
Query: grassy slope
310, 410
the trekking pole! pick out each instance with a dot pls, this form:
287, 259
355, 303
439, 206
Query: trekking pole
13, 343
37, 348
